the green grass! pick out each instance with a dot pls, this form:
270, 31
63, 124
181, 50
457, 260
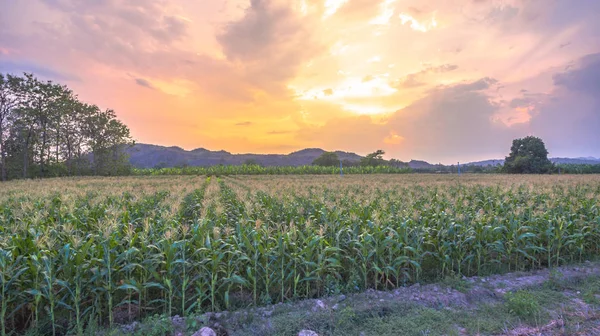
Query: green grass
356, 316
457, 283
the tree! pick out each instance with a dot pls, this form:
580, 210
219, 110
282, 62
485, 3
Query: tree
46, 131
327, 159
528, 156
373, 159
9, 100
108, 139
251, 162
398, 163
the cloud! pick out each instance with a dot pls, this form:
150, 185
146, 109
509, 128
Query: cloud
442, 68
562, 45
304, 77
359, 10
393, 139
145, 83
451, 121
569, 118
127, 18
584, 78
409, 82
135, 36
419, 79
519, 102
479, 85
423, 26
244, 123
19, 67
278, 132
269, 43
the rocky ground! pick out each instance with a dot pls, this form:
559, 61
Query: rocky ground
562, 301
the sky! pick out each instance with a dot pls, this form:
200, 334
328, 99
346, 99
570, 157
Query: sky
435, 80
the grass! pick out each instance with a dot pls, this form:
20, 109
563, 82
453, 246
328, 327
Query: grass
523, 304
532, 307
361, 316
457, 283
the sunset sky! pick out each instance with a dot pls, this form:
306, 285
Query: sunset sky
442, 81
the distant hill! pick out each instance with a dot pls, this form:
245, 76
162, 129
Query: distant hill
485, 163
580, 160
149, 156
418, 164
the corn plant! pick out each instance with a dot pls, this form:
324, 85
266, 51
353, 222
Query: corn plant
95, 248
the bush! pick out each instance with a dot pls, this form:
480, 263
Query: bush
522, 304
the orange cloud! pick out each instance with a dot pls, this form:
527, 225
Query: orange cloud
393, 139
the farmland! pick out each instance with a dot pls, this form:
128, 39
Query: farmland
81, 251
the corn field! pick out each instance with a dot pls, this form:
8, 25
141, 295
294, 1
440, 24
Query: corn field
268, 170
102, 251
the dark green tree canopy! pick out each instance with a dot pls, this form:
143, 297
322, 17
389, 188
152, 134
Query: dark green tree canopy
251, 162
45, 130
373, 159
327, 159
528, 156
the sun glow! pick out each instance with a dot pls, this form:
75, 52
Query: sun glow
354, 94
386, 14
332, 6
423, 26
354, 87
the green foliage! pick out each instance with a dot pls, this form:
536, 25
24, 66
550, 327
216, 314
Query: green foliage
45, 131
251, 162
528, 156
457, 283
523, 304
578, 168
374, 159
269, 170
237, 241
327, 159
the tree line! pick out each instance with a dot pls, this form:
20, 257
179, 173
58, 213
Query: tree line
46, 131
527, 155
375, 159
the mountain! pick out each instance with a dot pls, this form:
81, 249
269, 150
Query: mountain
493, 162
148, 156
418, 164
579, 160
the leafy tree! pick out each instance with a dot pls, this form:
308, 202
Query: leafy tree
327, 159
251, 162
350, 163
46, 131
528, 156
398, 163
374, 159
9, 100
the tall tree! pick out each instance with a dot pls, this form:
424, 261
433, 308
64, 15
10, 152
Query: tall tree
46, 131
8, 102
528, 156
327, 159
373, 159
107, 139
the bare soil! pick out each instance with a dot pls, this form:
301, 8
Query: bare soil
568, 298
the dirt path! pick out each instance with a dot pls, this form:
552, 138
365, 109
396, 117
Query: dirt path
562, 301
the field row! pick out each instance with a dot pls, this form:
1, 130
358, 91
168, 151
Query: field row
78, 252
